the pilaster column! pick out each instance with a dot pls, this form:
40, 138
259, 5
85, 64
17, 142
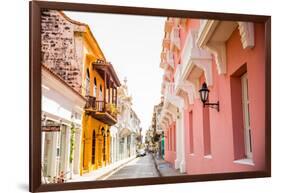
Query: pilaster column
178, 142
116, 147
77, 150
182, 135
125, 148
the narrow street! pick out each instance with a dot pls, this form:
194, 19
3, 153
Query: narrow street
141, 167
98, 112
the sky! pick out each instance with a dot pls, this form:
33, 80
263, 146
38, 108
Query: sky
133, 45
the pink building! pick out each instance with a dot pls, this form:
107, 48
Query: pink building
230, 58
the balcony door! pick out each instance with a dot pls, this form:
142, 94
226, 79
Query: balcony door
95, 88
100, 100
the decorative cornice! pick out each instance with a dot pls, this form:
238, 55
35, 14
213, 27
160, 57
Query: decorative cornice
189, 88
218, 47
194, 56
247, 34
206, 29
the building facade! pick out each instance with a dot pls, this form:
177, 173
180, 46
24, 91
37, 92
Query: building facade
127, 129
100, 84
229, 57
172, 115
62, 99
61, 128
158, 132
70, 51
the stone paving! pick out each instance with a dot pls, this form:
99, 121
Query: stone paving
165, 168
142, 167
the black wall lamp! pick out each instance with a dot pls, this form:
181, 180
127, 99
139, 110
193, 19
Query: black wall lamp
204, 95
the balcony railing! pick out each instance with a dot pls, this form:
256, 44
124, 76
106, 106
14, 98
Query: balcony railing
101, 110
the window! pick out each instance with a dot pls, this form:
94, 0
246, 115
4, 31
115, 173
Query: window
206, 131
114, 96
87, 83
104, 146
190, 118
100, 94
62, 149
95, 88
246, 117
242, 133
93, 147
100, 99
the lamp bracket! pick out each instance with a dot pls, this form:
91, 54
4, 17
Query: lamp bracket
213, 105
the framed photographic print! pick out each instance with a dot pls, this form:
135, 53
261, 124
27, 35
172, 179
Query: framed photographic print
126, 96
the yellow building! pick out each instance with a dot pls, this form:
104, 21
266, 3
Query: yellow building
99, 86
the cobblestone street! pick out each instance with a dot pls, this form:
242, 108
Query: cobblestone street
141, 167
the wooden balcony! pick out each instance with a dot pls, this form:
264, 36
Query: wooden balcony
102, 111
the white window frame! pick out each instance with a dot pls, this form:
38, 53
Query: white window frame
246, 117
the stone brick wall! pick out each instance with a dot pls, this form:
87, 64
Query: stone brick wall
61, 47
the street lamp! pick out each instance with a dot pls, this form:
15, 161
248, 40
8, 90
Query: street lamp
204, 95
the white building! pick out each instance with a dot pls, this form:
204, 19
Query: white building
123, 134
62, 108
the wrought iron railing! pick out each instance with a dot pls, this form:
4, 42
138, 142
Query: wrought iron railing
100, 106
